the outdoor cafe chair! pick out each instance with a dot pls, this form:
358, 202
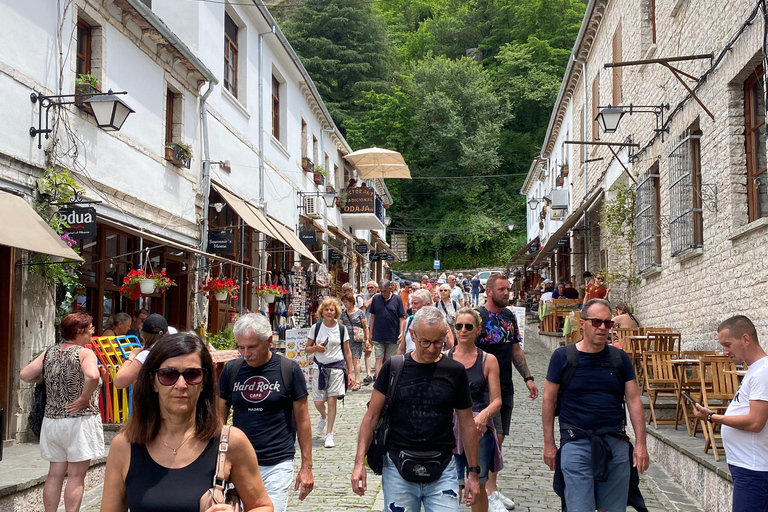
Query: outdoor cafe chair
660, 381
719, 385
659, 341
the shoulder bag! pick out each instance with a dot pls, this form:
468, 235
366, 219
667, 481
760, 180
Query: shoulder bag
357, 332
220, 493
37, 413
375, 455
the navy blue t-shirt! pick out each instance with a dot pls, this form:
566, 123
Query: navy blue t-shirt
262, 408
475, 285
594, 396
386, 325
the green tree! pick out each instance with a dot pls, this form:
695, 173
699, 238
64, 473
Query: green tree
343, 45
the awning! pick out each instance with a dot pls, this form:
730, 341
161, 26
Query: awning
342, 233
567, 225
176, 245
317, 225
384, 245
292, 239
366, 242
524, 251
250, 214
24, 229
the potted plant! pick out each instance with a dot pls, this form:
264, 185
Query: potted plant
85, 87
138, 283
220, 287
320, 174
178, 153
270, 292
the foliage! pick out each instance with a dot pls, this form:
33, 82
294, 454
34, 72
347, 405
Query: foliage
185, 149
87, 79
618, 220
321, 170
272, 289
225, 340
212, 286
131, 283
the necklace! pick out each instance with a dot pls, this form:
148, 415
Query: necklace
176, 450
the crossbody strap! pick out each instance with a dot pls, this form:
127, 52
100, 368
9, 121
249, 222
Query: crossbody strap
221, 458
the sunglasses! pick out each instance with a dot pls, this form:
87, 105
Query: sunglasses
596, 322
427, 343
467, 327
169, 376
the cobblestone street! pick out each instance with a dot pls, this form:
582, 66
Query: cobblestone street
525, 477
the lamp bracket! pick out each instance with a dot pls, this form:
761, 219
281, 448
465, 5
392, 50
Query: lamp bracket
657, 110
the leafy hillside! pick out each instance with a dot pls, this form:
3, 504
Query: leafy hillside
395, 74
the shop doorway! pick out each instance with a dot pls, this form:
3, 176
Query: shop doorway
7, 255
176, 298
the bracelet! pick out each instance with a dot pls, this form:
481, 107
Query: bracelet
709, 417
530, 377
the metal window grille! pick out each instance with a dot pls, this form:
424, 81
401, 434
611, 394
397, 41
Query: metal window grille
647, 224
684, 209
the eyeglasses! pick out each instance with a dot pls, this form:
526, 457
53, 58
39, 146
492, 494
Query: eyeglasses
596, 322
169, 376
371, 287
468, 327
427, 343
443, 290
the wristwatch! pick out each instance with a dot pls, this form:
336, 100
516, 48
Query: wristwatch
709, 417
530, 377
473, 469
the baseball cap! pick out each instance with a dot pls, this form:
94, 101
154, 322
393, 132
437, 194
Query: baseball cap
546, 281
155, 324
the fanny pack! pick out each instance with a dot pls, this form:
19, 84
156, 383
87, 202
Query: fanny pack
421, 467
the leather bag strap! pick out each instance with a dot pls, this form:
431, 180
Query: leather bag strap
221, 458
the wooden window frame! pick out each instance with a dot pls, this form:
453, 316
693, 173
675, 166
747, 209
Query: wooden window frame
170, 97
275, 107
653, 21
595, 104
752, 143
616, 50
230, 57
83, 35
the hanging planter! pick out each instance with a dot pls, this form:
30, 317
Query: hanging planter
221, 296
269, 298
147, 286
139, 283
270, 292
220, 287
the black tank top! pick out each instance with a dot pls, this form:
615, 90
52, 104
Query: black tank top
151, 487
478, 386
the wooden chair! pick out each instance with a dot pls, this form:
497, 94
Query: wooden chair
649, 330
717, 391
639, 348
664, 342
660, 381
576, 335
690, 382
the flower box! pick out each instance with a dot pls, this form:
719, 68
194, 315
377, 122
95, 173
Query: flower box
83, 92
178, 154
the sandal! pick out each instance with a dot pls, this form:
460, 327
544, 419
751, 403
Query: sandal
355, 386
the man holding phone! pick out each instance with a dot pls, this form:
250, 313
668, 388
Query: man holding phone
744, 431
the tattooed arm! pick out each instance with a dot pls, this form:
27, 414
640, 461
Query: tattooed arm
518, 359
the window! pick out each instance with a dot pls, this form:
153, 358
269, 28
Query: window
617, 76
169, 100
652, 19
647, 216
685, 216
304, 140
595, 102
83, 58
230, 55
275, 107
754, 116
314, 150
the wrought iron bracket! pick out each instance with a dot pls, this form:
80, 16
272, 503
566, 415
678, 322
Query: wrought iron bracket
708, 196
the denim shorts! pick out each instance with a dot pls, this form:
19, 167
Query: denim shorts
442, 495
485, 447
277, 480
750, 489
582, 492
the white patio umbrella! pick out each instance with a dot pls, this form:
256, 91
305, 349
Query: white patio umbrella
379, 163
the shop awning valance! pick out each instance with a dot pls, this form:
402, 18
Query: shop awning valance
342, 233
292, 239
523, 253
568, 223
249, 213
23, 228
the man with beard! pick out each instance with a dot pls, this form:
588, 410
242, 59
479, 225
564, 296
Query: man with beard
500, 336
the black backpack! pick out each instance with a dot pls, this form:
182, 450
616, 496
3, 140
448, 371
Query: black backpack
572, 362
286, 371
342, 330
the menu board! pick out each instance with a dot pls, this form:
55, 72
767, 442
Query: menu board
520, 317
295, 341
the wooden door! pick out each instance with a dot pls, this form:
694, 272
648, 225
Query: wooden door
7, 256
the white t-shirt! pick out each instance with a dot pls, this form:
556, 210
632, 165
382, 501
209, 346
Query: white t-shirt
410, 345
333, 351
546, 296
457, 294
142, 356
748, 450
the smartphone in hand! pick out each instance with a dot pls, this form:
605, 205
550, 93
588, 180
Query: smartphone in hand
688, 397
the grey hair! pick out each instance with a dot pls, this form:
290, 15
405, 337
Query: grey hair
428, 316
592, 302
252, 323
384, 283
424, 295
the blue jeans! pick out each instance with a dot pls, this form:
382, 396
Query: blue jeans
400, 495
475, 297
486, 445
582, 492
750, 489
277, 479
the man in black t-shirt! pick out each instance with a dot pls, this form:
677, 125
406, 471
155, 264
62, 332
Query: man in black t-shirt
595, 385
430, 388
267, 412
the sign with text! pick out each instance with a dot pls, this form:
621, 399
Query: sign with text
308, 237
390, 257
533, 249
361, 248
563, 242
334, 255
221, 243
295, 342
400, 245
82, 222
360, 200
374, 256
436, 266
520, 316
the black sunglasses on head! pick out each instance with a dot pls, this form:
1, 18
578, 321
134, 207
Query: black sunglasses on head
169, 376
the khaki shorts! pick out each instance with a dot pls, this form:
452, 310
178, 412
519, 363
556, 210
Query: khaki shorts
334, 385
384, 350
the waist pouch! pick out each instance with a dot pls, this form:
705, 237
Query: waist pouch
421, 467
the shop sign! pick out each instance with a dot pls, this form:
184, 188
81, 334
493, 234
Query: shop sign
82, 222
563, 242
308, 237
533, 249
361, 248
360, 200
374, 256
390, 257
382, 256
334, 255
221, 243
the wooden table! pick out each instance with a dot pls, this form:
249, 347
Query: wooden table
738, 373
679, 366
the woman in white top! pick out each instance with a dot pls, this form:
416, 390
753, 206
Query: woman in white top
154, 328
329, 342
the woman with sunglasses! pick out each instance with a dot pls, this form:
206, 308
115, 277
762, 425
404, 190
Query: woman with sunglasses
485, 389
165, 456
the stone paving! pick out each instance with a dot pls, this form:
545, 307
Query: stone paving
525, 478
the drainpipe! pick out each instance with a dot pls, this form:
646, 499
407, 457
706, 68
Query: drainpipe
262, 201
584, 155
206, 184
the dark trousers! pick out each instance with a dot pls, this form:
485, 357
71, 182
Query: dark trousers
750, 490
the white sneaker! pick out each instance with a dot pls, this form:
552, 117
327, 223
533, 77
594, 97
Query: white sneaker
329, 441
495, 504
508, 503
320, 426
